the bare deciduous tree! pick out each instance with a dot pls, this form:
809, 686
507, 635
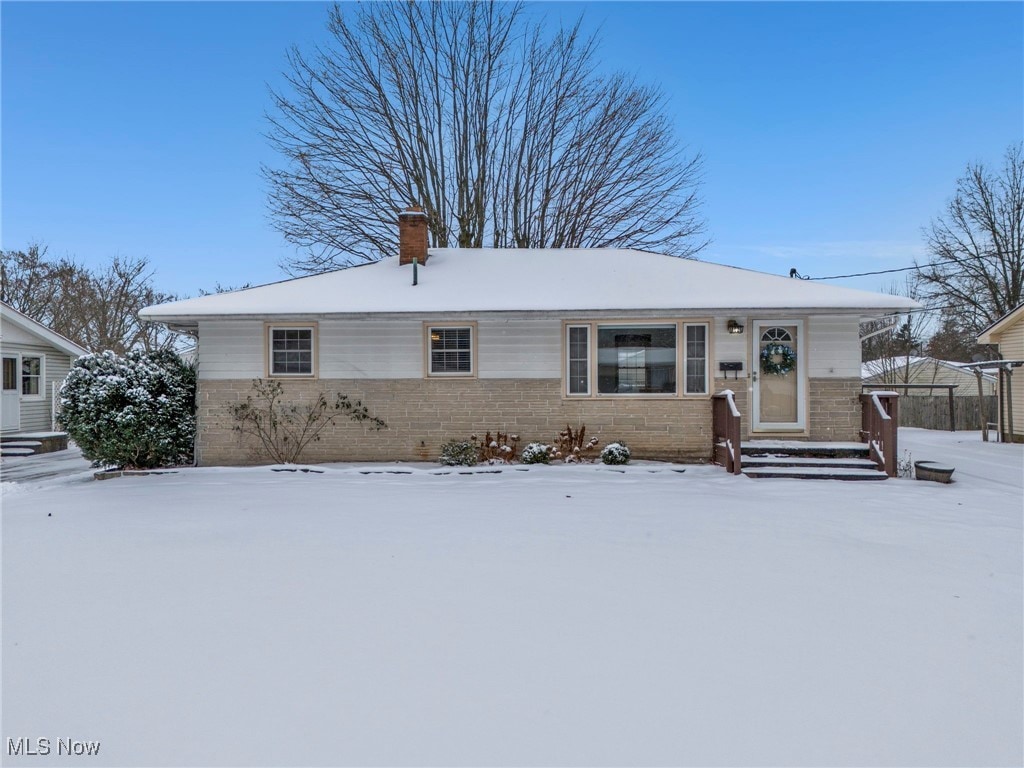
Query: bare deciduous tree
981, 236
97, 309
891, 350
951, 341
505, 137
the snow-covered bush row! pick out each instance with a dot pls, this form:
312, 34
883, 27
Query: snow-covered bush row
571, 446
536, 453
615, 453
459, 453
134, 411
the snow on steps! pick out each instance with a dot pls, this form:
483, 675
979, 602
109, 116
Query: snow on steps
796, 459
19, 447
39, 442
815, 473
805, 461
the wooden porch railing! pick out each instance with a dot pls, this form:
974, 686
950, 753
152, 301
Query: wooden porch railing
879, 420
725, 426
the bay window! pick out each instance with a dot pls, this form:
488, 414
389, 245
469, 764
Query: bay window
642, 359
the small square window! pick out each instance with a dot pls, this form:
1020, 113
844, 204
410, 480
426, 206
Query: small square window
291, 351
451, 351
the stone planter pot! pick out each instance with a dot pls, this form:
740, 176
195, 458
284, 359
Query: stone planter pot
932, 470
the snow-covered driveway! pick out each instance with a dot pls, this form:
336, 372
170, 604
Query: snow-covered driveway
560, 616
44, 467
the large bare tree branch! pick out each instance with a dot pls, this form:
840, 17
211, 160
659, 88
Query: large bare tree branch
977, 245
97, 309
505, 136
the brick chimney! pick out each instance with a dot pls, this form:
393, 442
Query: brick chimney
412, 235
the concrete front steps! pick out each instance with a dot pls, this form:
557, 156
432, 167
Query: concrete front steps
29, 443
808, 461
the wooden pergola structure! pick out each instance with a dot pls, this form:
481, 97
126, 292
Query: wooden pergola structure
1005, 368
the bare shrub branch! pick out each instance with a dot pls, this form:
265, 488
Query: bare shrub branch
285, 428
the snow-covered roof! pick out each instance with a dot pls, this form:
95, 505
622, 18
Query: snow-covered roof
888, 365
9, 314
513, 280
1000, 325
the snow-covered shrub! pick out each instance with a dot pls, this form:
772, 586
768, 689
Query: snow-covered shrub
615, 453
536, 453
459, 453
134, 411
284, 428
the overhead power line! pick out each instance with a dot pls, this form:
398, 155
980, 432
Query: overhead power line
794, 273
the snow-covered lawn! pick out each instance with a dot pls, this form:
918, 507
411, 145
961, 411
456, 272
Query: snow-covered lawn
557, 616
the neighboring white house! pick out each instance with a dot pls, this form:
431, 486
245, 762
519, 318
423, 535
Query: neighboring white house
1008, 334
35, 360
633, 344
923, 371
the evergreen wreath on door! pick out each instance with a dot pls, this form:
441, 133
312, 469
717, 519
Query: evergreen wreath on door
777, 359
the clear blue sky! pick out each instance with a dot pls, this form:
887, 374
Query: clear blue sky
832, 132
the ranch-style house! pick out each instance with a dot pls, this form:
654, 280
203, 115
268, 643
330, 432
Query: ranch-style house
444, 343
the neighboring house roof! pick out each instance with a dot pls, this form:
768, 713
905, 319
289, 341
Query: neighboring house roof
9, 314
1000, 325
548, 279
190, 354
884, 366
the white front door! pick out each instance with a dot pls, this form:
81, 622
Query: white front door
779, 376
10, 413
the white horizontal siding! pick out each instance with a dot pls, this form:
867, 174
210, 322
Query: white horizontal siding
58, 365
10, 334
731, 347
36, 411
833, 349
384, 349
231, 349
371, 349
1011, 347
529, 348
520, 349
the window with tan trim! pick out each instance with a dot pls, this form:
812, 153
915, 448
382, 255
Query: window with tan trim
450, 350
636, 358
577, 362
695, 358
291, 350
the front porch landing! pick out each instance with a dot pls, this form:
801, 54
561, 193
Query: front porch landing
28, 443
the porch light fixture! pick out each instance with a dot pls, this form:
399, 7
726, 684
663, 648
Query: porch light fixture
733, 327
